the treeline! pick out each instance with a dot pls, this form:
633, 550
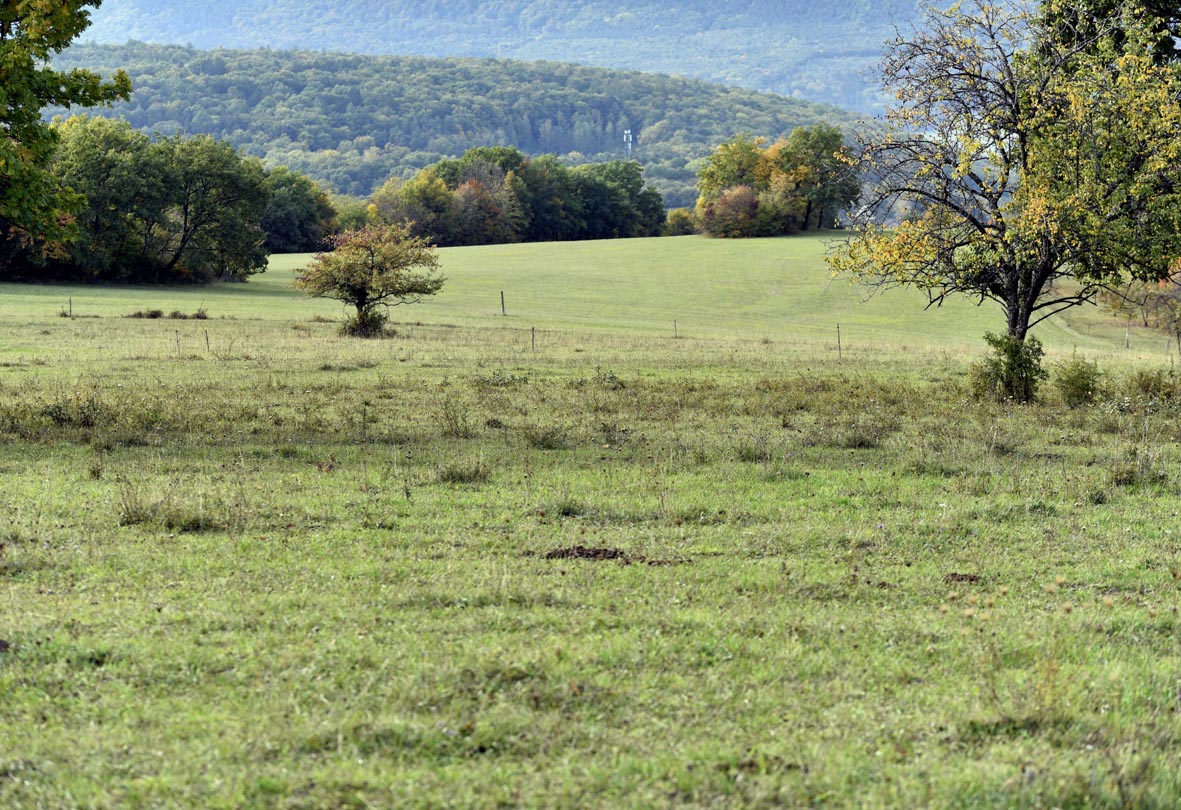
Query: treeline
494, 195
791, 47
176, 208
167, 209
350, 122
170, 209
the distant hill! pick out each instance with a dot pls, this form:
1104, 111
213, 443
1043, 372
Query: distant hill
818, 51
351, 121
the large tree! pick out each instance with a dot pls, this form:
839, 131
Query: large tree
1019, 166
126, 184
33, 208
733, 163
218, 201
173, 209
811, 158
555, 209
299, 214
616, 204
1085, 23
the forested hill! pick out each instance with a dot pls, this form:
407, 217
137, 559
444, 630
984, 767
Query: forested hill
819, 51
352, 121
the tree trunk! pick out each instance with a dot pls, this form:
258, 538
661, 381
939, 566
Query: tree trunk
1018, 322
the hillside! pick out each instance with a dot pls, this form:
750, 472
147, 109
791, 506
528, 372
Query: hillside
792, 47
351, 121
744, 290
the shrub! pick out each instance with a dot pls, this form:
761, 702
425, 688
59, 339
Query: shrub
367, 324
371, 267
1013, 371
1157, 384
734, 214
80, 409
1077, 380
681, 222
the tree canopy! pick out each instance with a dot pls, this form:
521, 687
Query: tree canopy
801, 182
494, 195
33, 208
1019, 166
299, 214
1087, 23
374, 266
164, 209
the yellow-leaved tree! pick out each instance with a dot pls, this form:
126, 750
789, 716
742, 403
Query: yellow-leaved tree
1021, 166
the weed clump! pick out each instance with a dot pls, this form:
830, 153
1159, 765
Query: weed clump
501, 379
177, 315
80, 409
754, 450
171, 512
542, 437
464, 472
1140, 468
455, 419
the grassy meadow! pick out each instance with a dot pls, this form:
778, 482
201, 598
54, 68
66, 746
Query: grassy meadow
650, 539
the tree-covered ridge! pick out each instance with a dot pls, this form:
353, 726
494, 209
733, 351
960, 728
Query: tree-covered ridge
352, 121
793, 47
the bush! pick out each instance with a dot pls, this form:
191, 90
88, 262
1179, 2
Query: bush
1012, 372
1155, 384
734, 214
1078, 382
366, 324
681, 222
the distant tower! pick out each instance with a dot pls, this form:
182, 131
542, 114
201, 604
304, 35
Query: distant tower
627, 141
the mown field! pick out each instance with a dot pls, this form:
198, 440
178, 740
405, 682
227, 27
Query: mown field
577, 556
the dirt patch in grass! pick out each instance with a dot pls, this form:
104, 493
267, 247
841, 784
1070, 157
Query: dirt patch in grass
581, 552
585, 553
968, 579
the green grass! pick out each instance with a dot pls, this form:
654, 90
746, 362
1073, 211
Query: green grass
772, 289
286, 569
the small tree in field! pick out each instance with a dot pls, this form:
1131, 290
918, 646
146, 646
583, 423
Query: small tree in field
371, 267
